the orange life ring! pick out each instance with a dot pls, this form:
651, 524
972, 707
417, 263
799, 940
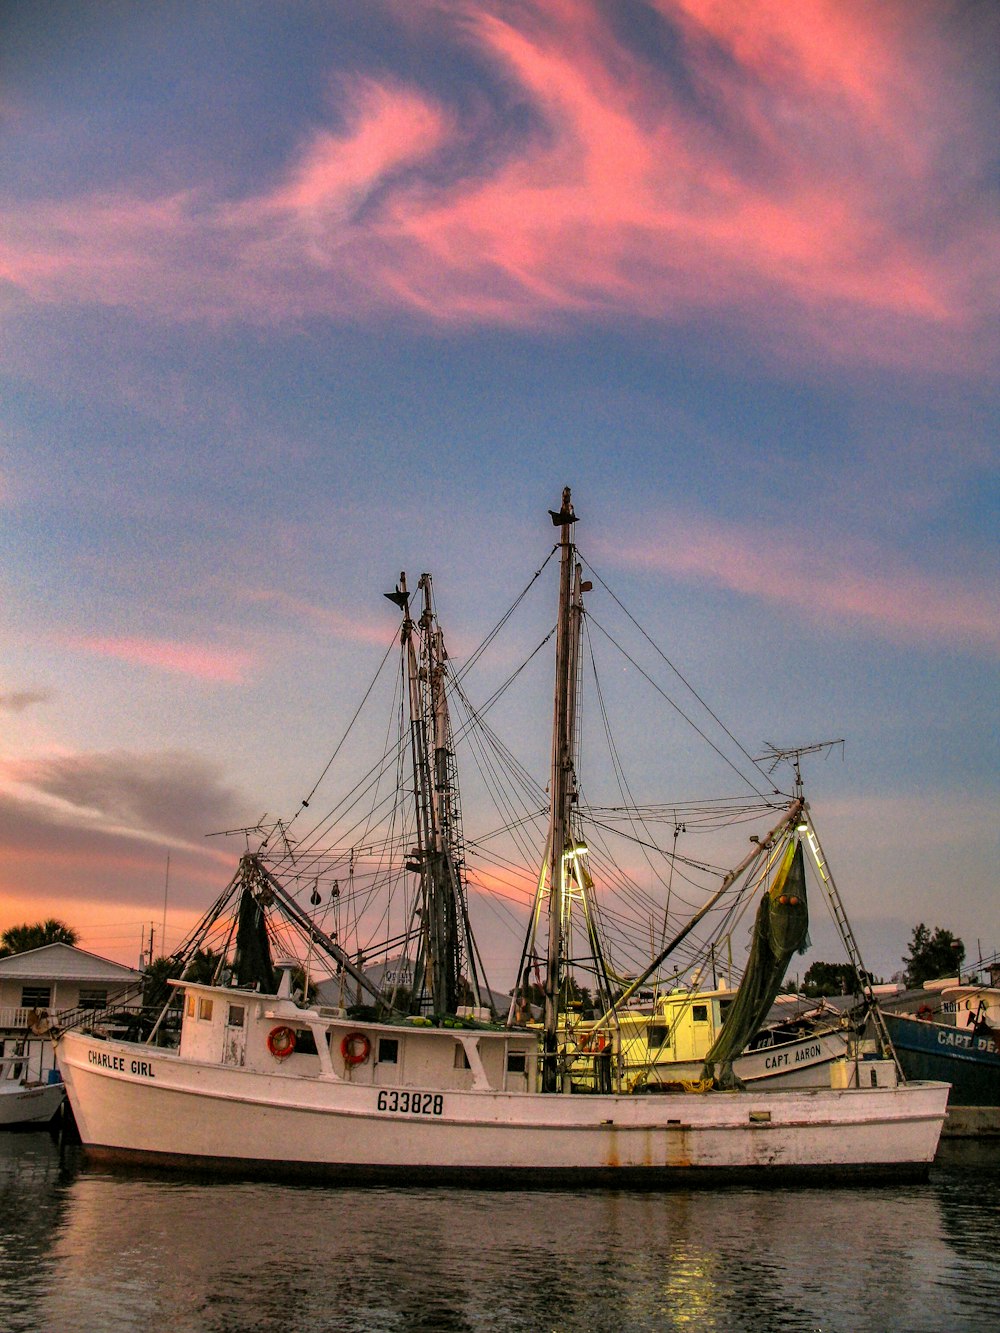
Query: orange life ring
281, 1042
925, 1013
355, 1048
594, 1043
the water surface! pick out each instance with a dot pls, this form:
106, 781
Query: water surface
83, 1249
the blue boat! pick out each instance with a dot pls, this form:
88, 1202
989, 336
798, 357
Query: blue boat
953, 1037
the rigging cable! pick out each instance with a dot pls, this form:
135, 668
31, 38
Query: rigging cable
687, 685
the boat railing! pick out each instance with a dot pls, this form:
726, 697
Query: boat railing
27, 1017
15, 1018
133, 1022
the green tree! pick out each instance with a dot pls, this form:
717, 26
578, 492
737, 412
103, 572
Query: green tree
155, 990
829, 979
19, 939
936, 953
202, 966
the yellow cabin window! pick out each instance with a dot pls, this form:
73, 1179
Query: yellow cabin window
190, 1006
204, 1008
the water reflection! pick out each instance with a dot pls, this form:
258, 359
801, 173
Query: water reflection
32, 1207
85, 1249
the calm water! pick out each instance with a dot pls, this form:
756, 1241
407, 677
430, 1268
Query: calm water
86, 1249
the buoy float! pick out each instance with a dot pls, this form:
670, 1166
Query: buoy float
355, 1048
281, 1042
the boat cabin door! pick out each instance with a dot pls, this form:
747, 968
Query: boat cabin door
234, 1045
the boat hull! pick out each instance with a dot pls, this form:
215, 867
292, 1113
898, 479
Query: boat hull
136, 1103
796, 1064
969, 1061
29, 1106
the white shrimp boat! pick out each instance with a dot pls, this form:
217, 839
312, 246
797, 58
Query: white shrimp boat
263, 1082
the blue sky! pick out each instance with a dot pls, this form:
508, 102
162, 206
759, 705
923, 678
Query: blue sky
295, 296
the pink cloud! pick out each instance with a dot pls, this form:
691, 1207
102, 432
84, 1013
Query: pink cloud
352, 629
190, 659
902, 604
391, 129
801, 199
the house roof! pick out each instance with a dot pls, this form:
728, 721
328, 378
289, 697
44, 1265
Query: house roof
64, 962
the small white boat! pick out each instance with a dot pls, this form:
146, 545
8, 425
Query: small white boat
31, 1091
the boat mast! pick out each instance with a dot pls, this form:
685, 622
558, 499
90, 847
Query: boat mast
457, 947
446, 955
563, 791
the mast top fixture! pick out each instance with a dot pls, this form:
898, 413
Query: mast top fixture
401, 596
565, 514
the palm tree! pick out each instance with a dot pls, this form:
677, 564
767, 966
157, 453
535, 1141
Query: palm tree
19, 939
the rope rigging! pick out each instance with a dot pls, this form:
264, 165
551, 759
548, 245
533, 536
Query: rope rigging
361, 846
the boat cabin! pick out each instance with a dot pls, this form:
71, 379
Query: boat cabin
682, 1027
275, 1034
970, 1006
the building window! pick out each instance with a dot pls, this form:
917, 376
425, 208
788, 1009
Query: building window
36, 997
93, 999
517, 1062
388, 1051
699, 1012
204, 1008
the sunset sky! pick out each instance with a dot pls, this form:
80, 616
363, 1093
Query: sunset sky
296, 295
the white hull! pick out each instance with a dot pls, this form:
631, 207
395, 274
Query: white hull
139, 1103
800, 1064
21, 1105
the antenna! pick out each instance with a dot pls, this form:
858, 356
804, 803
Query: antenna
778, 754
166, 891
263, 830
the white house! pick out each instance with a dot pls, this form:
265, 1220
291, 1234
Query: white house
59, 977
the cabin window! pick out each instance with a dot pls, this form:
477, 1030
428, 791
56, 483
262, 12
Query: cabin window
204, 1008
461, 1059
305, 1042
657, 1035
237, 1015
517, 1062
699, 1013
388, 1051
190, 1006
93, 999
36, 997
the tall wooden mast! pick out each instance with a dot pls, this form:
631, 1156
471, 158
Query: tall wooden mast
562, 788
445, 972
